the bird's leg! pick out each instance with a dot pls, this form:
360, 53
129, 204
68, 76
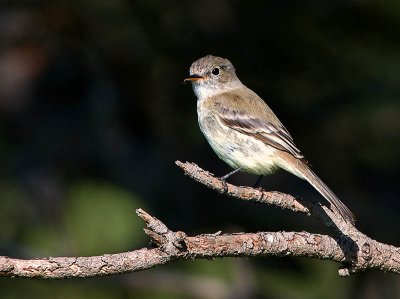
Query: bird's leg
223, 178
258, 181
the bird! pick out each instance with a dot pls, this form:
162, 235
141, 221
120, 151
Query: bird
244, 132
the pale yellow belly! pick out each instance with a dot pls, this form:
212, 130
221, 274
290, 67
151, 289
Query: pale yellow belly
237, 149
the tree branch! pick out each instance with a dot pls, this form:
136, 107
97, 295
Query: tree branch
282, 200
353, 249
360, 252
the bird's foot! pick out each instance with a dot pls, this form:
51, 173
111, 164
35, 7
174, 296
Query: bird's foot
223, 180
224, 186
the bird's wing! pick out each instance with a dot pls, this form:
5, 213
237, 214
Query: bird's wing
272, 132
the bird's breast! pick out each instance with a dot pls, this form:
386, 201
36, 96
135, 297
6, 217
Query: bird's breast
233, 147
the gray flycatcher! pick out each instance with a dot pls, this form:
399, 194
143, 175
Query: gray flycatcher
244, 132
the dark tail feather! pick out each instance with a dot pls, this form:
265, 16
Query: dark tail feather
324, 190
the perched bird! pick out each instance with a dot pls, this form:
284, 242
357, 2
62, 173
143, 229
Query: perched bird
244, 132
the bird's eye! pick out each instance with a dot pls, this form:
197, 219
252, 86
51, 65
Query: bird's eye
215, 71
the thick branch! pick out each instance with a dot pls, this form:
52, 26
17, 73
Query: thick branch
65, 267
177, 246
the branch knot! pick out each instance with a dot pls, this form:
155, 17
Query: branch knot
172, 243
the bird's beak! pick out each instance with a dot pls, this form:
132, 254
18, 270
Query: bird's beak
193, 78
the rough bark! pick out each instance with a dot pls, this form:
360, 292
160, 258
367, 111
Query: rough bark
354, 250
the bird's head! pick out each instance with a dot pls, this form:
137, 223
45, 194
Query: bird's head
212, 74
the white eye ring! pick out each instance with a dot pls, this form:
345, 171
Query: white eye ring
215, 71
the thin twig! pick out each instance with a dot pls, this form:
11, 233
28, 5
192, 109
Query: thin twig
278, 199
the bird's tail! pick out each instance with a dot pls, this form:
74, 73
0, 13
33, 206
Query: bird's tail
319, 185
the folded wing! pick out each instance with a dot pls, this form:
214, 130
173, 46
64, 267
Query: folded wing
274, 135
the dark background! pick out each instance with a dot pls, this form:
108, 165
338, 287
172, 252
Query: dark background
94, 113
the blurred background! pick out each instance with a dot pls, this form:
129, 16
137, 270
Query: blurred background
93, 115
